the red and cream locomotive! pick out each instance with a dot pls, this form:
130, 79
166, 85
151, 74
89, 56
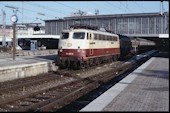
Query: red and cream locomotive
82, 46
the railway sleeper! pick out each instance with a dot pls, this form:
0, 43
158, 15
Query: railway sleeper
70, 97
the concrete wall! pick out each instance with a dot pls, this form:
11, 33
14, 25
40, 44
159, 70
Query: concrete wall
25, 70
30, 53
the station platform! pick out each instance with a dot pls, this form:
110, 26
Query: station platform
25, 66
145, 89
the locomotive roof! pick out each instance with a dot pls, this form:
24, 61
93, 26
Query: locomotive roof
89, 30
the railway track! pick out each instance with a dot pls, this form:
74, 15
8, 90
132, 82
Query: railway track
27, 86
24, 85
72, 72
55, 97
32, 81
22, 81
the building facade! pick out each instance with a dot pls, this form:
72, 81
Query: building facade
20, 30
126, 24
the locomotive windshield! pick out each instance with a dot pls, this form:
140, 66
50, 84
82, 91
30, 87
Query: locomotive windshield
64, 35
79, 35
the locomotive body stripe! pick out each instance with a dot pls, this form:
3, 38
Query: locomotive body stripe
89, 52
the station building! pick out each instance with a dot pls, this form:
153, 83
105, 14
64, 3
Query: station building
20, 31
152, 26
136, 24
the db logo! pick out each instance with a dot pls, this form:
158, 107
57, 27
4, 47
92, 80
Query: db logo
69, 44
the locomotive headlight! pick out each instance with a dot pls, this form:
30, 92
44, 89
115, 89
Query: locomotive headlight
78, 50
61, 50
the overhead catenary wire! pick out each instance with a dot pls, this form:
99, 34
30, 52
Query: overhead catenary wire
28, 10
48, 8
141, 7
111, 4
26, 17
70, 7
76, 8
66, 5
124, 7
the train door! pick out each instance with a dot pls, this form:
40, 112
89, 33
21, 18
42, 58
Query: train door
90, 44
33, 45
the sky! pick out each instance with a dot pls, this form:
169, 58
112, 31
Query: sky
37, 11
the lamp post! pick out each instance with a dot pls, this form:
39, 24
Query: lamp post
161, 7
96, 13
4, 26
42, 14
14, 19
81, 14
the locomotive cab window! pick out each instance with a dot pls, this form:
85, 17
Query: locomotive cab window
79, 35
64, 35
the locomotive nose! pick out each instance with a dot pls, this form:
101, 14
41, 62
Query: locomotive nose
69, 44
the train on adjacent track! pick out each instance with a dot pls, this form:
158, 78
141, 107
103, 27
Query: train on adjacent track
81, 46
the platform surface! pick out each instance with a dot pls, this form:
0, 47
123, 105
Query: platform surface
145, 89
8, 62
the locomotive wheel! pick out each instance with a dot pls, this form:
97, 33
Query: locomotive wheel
67, 64
90, 62
97, 61
85, 64
110, 59
100, 60
82, 65
75, 65
115, 57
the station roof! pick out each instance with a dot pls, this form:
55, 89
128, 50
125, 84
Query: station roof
21, 26
40, 36
8, 39
31, 36
109, 16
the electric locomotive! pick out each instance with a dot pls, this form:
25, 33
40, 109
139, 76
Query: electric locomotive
82, 46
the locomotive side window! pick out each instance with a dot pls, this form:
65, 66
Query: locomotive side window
90, 36
95, 36
65, 35
79, 35
110, 38
87, 36
107, 38
103, 37
100, 37
114, 38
